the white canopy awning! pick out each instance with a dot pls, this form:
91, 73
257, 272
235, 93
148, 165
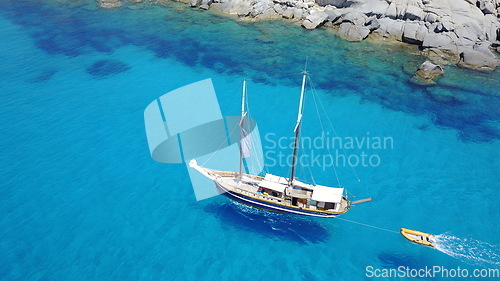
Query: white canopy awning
303, 185
273, 178
327, 194
272, 185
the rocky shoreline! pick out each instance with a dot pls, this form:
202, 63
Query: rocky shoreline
463, 32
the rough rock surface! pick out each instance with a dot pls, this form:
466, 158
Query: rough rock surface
478, 60
352, 32
448, 31
414, 32
108, 4
315, 19
427, 72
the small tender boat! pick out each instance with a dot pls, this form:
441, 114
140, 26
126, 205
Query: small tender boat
418, 237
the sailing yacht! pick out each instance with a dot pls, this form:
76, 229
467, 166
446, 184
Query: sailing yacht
276, 193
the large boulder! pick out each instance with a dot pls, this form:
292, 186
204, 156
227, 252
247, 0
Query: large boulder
109, 4
443, 41
478, 60
220, 7
391, 28
470, 31
288, 13
404, 9
263, 9
431, 17
414, 12
414, 32
298, 13
484, 47
205, 4
491, 28
428, 71
391, 11
487, 6
268, 14
355, 18
352, 32
194, 3
315, 19
444, 25
278, 9
333, 14
376, 8
336, 3
233, 7
372, 23
242, 9
458, 11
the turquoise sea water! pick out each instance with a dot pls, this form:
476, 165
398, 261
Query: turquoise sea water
81, 199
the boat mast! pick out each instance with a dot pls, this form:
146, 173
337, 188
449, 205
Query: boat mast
243, 113
297, 129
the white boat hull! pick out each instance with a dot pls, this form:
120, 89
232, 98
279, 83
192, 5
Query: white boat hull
280, 207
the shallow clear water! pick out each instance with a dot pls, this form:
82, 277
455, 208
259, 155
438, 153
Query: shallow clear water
81, 199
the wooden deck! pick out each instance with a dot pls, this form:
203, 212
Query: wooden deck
250, 185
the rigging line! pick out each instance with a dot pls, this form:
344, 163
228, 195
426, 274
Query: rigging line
348, 191
323, 129
220, 146
335, 132
364, 224
312, 176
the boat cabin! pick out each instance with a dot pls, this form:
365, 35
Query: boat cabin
327, 198
302, 194
273, 185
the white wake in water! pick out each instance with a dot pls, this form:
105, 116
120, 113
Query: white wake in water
469, 250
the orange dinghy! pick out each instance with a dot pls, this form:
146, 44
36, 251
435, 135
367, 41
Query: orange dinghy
418, 237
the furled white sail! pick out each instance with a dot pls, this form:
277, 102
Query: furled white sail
245, 143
